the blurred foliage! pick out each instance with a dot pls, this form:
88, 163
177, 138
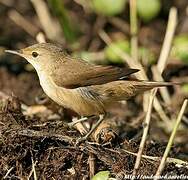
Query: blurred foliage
102, 175
185, 88
124, 45
146, 55
148, 9
59, 10
180, 48
108, 7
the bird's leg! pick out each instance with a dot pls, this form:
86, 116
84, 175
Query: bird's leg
101, 118
71, 124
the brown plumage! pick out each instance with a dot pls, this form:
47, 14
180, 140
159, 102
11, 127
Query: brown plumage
74, 73
85, 88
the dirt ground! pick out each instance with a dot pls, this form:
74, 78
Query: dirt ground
35, 140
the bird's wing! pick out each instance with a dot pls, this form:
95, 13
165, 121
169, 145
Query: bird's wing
74, 73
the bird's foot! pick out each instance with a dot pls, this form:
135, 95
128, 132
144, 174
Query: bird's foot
101, 118
75, 121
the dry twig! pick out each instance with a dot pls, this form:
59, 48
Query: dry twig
133, 29
32, 133
91, 165
51, 28
169, 145
164, 92
40, 37
144, 136
8, 172
154, 158
166, 47
172, 22
32, 171
20, 20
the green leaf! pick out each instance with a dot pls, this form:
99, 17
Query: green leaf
108, 7
102, 175
148, 9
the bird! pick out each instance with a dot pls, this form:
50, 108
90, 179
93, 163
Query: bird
83, 87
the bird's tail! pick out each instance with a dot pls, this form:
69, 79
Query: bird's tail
147, 85
125, 89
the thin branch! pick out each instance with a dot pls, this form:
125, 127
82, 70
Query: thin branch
40, 37
33, 169
171, 26
155, 158
21, 21
170, 142
144, 136
51, 29
166, 47
91, 165
33, 133
164, 92
133, 29
8, 172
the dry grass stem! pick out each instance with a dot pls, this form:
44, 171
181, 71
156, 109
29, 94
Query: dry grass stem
18, 19
171, 26
33, 133
170, 142
33, 169
40, 37
166, 47
154, 158
164, 92
51, 28
91, 165
8, 172
133, 29
145, 132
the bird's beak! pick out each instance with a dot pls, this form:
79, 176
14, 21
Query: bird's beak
18, 52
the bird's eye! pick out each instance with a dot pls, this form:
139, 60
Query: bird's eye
34, 54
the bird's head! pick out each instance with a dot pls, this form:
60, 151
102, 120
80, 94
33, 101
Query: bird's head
41, 55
